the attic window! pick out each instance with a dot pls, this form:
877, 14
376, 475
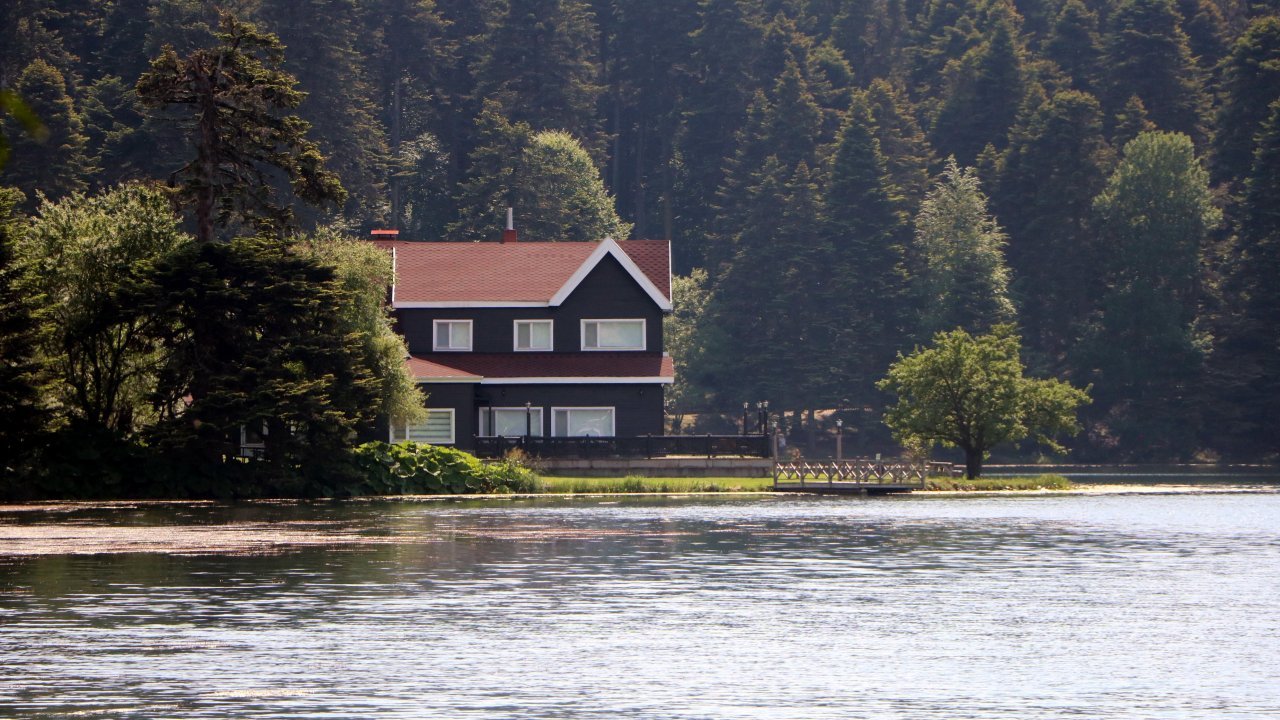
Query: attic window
452, 336
533, 335
613, 334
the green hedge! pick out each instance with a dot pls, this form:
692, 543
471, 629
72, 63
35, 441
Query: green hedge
418, 469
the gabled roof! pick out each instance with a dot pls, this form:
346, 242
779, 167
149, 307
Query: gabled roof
542, 368
518, 274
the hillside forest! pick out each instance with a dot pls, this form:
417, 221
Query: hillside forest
840, 179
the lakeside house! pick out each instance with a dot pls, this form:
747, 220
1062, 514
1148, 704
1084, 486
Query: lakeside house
547, 339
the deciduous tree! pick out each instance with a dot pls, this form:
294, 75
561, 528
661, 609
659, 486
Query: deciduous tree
1145, 350
971, 393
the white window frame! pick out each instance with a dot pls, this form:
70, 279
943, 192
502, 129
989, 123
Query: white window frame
404, 428
644, 334
515, 335
435, 335
613, 420
536, 411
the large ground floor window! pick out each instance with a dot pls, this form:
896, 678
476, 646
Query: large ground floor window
437, 429
582, 422
510, 421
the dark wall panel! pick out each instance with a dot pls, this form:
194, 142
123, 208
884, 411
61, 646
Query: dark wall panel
607, 292
638, 408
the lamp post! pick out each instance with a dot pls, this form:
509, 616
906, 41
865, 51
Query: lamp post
528, 420
745, 405
764, 417
839, 439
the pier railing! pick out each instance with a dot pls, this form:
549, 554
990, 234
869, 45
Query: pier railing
858, 471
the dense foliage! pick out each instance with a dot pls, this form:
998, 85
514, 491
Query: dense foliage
417, 469
795, 151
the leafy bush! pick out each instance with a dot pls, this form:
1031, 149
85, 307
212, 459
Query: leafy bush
419, 469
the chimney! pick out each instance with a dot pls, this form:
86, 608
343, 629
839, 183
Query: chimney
509, 235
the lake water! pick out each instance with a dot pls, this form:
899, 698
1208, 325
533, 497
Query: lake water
1020, 607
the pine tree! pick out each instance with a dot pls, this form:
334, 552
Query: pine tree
56, 163
784, 126
766, 308
1251, 82
118, 145
903, 144
867, 310
22, 411
407, 53
946, 30
320, 38
258, 339
238, 96
1246, 369
1131, 122
540, 68
1146, 356
1057, 163
1206, 31
1147, 54
985, 88
651, 53
963, 279
1075, 46
714, 105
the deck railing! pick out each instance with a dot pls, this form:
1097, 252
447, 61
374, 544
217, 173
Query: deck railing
643, 446
864, 471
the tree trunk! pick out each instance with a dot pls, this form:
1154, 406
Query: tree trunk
972, 463
206, 152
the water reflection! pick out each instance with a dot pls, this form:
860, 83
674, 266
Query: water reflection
1011, 607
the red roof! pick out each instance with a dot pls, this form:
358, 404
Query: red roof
598, 366
519, 272
424, 368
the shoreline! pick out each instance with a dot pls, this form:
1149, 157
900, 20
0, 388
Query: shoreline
1076, 489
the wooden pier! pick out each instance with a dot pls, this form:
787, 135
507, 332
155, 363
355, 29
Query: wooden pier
856, 476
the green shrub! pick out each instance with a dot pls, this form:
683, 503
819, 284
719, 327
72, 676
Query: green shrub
419, 469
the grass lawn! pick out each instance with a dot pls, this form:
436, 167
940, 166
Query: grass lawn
1033, 482
637, 484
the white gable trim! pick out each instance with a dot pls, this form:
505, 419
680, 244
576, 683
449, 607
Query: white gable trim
609, 246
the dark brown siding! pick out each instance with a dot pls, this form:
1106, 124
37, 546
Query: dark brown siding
637, 408
462, 398
607, 292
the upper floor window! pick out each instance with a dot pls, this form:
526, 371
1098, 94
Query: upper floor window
613, 334
452, 335
533, 335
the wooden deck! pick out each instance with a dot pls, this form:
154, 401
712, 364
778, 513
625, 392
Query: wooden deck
857, 476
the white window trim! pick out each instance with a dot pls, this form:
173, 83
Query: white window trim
404, 427
515, 335
582, 335
613, 419
435, 335
483, 413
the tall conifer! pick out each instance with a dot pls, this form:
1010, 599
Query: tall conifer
1057, 163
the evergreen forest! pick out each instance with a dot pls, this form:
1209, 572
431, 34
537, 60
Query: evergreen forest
840, 180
